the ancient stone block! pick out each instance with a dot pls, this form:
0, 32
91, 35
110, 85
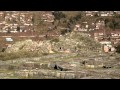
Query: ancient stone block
69, 76
57, 74
62, 75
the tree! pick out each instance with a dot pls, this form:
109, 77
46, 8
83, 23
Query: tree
64, 31
33, 19
96, 15
116, 15
106, 21
118, 48
18, 28
74, 19
117, 25
111, 25
68, 25
58, 15
78, 16
8, 30
71, 20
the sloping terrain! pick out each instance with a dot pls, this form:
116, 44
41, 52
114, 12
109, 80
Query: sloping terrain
62, 66
70, 43
72, 56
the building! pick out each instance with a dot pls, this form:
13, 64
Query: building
108, 38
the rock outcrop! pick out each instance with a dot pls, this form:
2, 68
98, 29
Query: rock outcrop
69, 43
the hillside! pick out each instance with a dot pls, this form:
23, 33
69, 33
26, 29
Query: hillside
73, 42
71, 56
61, 53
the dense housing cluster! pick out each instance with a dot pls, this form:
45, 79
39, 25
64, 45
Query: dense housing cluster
102, 26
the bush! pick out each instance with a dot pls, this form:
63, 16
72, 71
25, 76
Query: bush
55, 40
117, 16
58, 15
8, 56
96, 15
118, 49
45, 54
64, 31
20, 54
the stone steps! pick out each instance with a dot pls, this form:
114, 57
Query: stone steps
50, 73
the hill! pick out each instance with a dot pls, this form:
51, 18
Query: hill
74, 42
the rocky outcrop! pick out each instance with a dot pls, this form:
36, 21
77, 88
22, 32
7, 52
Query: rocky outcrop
69, 43
31, 46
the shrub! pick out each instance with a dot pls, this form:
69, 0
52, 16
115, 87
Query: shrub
64, 31
44, 53
20, 54
55, 40
118, 49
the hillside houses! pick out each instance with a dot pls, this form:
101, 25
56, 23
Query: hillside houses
47, 17
107, 38
85, 26
27, 22
89, 13
13, 20
100, 13
117, 12
79, 27
90, 26
109, 35
100, 35
100, 24
106, 13
115, 36
21, 21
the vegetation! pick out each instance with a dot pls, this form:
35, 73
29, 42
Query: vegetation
58, 15
68, 19
96, 15
64, 31
116, 15
55, 40
20, 54
118, 49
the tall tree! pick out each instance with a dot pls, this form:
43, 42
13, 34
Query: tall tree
58, 15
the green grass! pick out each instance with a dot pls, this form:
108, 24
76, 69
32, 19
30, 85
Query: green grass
54, 40
20, 54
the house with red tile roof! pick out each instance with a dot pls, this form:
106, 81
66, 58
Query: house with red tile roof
108, 38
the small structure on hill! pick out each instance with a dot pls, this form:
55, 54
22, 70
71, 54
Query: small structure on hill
9, 39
